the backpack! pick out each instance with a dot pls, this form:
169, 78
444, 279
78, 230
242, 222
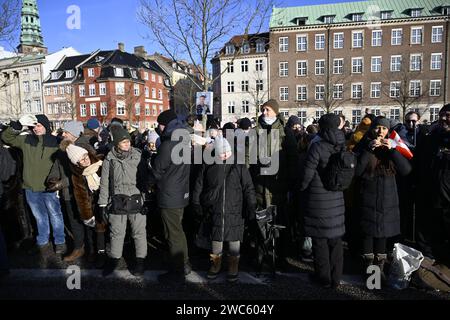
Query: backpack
431, 276
340, 170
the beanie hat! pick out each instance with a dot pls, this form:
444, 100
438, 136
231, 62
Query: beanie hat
152, 137
381, 121
75, 153
221, 146
119, 134
293, 120
75, 128
445, 108
329, 121
245, 124
272, 103
117, 121
166, 117
93, 124
42, 119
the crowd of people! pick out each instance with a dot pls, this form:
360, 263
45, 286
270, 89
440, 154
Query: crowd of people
86, 183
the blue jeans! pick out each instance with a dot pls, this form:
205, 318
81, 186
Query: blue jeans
45, 206
3, 256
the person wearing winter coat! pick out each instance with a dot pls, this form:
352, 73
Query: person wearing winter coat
39, 150
221, 190
324, 210
122, 185
172, 181
86, 169
378, 204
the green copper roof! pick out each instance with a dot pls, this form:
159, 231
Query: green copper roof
286, 17
31, 25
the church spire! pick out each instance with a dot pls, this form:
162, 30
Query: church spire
31, 40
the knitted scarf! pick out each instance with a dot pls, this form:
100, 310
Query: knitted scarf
92, 177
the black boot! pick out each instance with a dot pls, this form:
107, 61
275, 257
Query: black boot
139, 268
110, 266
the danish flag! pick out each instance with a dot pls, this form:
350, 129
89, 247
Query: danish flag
400, 146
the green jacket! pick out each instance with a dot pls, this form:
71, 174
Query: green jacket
38, 157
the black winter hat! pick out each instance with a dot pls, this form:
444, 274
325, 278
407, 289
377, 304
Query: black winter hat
245, 123
166, 117
42, 119
329, 121
445, 108
119, 134
293, 120
381, 121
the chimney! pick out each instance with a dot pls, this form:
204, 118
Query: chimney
140, 51
121, 46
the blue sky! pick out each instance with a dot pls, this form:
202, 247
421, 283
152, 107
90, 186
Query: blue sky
104, 23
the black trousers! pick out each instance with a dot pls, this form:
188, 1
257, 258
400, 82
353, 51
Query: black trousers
374, 245
328, 259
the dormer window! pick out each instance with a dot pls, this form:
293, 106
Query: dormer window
260, 47
134, 74
99, 58
446, 11
245, 48
328, 19
91, 72
230, 49
118, 72
386, 15
69, 73
300, 21
416, 13
55, 75
356, 17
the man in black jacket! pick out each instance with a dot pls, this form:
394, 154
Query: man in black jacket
172, 181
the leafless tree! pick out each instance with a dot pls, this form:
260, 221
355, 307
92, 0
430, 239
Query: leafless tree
197, 29
9, 19
184, 95
258, 96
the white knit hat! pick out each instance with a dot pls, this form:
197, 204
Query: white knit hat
75, 153
221, 145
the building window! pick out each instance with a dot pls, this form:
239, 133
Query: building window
320, 92
36, 85
284, 93
396, 37
320, 41
102, 89
338, 91
356, 116
338, 42
436, 61
160, 79
229, 50
154, 109
415, 62
28, 106
319, 113
48, 91
120, 88
376, 112
396, 63
375, 90
283, 44
435, 88
245, 48
38, 106
25, 71
357, 65
147, 92
320, 67
244, 85
68, 89
92, 90
83, 110
93, 110
133, 74
231, 107
145, 75
259, 65
376, 64
49, 108
283, 69
26, 86
338, 66
147, 110
245, 107
259, 85
394, 113
103, 109
230, 86
55, 75
153, 78
118, 72
244, 66
386, 15
416, 35
357, 90
377, 38
356, 17
260, 47
36, 69
153, 93
137, 109
414, 88
302, 68
61, 90
434, 114
69, 74
302, 43
394, 91
160, 95
56, 109
357, 39
136, 90
55, 90
230, 67
436, 34
302, 116
416, 13
120, 108
302, 93
82, 90
91, 72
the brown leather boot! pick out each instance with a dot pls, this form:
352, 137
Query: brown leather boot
216, 264
233, 268
76, 254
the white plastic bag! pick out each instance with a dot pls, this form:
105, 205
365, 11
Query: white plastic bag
406, 260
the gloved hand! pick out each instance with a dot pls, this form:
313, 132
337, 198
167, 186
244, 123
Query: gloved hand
16, 125
90, 222
28, 120
53, 185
